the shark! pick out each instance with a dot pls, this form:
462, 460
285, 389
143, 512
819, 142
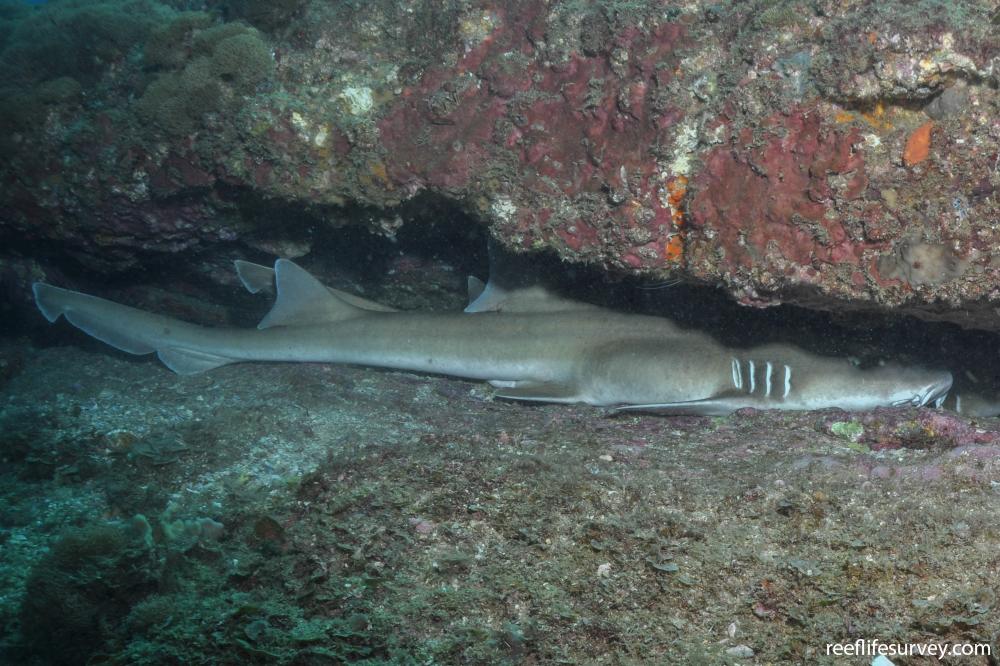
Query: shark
529, 343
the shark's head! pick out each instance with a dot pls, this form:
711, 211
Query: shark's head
904, 386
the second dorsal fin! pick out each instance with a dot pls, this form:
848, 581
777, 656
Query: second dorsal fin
514, 286
303, 300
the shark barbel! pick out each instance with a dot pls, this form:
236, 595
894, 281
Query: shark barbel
535, 347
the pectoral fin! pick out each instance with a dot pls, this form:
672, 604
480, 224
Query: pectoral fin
537, 391
190, 361
718, 405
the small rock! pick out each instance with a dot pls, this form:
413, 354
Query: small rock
422, 526
881, 472
268, 530
949, 103
961, 530
740, 651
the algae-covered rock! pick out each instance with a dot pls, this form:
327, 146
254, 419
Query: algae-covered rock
86, 585
177, 101
267, 15
74, 39
849, 430
170, 45
207, 61
671, 140
243, 60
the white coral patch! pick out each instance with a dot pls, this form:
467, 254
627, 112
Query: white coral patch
322, 134
685, 141
307, 131
503, 209
359, 99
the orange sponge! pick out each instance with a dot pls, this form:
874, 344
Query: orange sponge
918, 146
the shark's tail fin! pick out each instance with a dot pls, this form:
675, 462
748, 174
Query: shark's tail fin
128, 329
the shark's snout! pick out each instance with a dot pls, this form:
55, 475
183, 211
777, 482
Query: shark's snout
934, 392
939, 391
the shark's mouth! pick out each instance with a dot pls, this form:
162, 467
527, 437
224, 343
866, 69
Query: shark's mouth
936, 394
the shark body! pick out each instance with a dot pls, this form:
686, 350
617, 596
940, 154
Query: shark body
527, 345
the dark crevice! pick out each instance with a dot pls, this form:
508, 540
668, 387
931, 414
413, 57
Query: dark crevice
420, 261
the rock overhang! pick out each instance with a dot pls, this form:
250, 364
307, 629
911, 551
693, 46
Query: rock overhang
842, 158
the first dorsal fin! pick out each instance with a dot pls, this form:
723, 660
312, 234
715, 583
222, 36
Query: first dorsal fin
257, 278
303, 300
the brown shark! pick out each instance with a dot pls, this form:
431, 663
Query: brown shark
528, 345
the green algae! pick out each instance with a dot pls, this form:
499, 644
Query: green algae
852, 431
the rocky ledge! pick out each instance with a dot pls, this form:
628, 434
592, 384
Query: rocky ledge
835, 155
